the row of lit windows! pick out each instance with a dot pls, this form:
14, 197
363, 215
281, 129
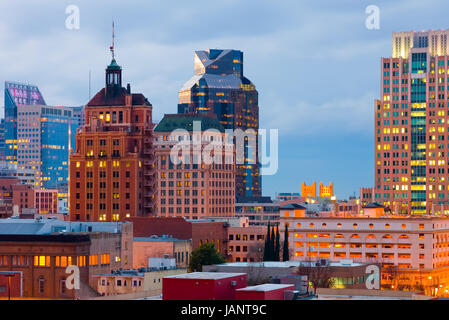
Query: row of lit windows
64, 261
355, 225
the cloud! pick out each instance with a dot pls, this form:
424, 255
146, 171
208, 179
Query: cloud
333, 117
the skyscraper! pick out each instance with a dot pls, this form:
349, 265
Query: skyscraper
45, 134
17, 94
411, 125
219, 87
112, 170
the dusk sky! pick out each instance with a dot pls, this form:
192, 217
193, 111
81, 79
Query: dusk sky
314, 63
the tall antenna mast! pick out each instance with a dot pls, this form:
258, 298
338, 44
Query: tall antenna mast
113, 37
89, 83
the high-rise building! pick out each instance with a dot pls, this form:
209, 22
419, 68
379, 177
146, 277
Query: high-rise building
44, 136
411, 125
194, 188
17, 94
112, 170
2, 140
219, 87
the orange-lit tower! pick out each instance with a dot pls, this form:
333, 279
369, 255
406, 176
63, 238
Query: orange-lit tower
308, 191
112, 171
326, 191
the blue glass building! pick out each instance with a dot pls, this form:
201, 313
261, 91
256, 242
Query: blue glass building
17, 94
220, 89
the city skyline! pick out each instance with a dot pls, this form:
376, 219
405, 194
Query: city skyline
158, 59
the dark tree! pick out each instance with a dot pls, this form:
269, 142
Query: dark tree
285, 249
272, 245
205, 255
266, 252
277, 246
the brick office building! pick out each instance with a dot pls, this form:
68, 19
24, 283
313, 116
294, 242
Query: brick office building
112, 174
194, 188
15, 197
199, 231
42, 249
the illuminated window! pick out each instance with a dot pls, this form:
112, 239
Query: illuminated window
41, 261
93, 259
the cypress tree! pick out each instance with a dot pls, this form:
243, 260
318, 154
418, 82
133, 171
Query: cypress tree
277, 248
272, 245
266, 252
285, 252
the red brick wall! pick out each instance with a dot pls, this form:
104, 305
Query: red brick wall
146, 227
199, 232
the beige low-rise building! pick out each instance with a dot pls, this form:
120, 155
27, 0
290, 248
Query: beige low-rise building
125, 282
413, 250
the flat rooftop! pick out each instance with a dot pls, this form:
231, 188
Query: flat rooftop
207, 275
158, 239
290, 264
267, 287
348, 297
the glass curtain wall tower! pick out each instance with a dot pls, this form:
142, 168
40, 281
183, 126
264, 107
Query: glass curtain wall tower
411, 125
219, 88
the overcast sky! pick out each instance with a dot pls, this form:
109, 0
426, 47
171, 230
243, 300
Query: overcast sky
314, 63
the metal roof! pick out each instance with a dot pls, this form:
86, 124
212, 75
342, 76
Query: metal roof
207, 275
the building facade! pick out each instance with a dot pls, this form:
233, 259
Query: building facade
112, 170
155, 246
194, 187
44, 136
412, 251
219, 87
42, 249
411, 126
246, 244
259, 210
17, 94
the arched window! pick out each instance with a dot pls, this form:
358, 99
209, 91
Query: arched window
387, 236
403, 236
371, 236
339, 235
355, 236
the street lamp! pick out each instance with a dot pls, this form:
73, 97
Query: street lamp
9, 276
